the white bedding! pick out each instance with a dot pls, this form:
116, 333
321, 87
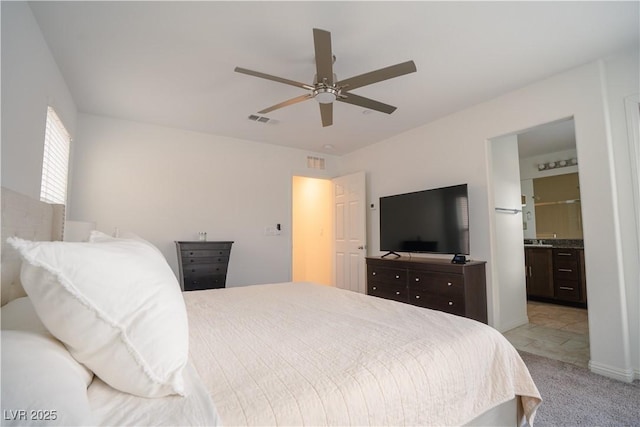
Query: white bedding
111, 407
298, 353
42, 384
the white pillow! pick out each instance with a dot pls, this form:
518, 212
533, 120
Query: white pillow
19, 315
41, 383
99, 237
116, 305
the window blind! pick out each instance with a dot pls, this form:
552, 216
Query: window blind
55, 162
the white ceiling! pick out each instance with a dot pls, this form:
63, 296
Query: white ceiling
171, 63
547, 138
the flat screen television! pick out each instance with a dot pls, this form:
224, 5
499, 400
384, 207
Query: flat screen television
431, 221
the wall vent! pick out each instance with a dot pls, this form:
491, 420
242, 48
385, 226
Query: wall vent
315, 162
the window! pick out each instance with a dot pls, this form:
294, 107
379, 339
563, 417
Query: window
55, 162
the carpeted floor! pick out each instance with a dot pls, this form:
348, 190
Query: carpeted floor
574, 396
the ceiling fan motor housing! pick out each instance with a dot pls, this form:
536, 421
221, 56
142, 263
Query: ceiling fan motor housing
325, 94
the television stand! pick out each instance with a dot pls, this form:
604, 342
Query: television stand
391, 253
433, 283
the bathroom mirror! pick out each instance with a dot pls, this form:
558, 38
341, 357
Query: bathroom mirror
558, 212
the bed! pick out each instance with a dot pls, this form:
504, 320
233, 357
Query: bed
271, 354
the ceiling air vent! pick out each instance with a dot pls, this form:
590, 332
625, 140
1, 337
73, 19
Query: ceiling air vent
260, 119
315, 162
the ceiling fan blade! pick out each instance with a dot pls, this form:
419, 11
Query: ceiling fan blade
287, 103
361, 101
273, 78
326, 114
324, 56
378, 75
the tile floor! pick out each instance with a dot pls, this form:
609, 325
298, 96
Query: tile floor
554, 331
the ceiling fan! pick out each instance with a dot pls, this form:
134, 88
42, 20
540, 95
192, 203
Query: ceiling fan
326, 88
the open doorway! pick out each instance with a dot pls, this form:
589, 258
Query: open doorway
555, 281
329, 231
312, 230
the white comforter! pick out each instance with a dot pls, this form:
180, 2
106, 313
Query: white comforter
111, 407
298, 353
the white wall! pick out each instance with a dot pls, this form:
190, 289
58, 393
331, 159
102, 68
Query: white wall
453, 150
622, 80
168, 184
508, 237
31, 81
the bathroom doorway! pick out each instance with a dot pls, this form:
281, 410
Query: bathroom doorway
555, 280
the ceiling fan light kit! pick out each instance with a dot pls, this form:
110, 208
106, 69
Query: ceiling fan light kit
326, 95
327, 89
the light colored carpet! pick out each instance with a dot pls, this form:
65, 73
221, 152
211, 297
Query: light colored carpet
574, 396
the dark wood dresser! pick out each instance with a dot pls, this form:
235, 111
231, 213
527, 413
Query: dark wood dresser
431, 283
203, 265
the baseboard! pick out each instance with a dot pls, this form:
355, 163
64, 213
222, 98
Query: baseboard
625, 375
513, 324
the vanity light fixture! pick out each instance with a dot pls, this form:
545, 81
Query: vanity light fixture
558, 164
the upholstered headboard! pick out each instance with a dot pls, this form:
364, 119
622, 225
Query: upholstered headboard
29, 219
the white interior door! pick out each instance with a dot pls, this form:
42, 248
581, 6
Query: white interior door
349, 193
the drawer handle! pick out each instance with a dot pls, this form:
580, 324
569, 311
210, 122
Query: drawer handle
565, 270
190, 253
397, 277
417, 296
193, 270
191, 260
397, 292
417, 279
450, 302
373, 274
448, 283
564, 253
566, 288
374, 288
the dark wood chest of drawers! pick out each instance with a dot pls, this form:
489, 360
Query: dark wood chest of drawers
431, 283
203, 265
